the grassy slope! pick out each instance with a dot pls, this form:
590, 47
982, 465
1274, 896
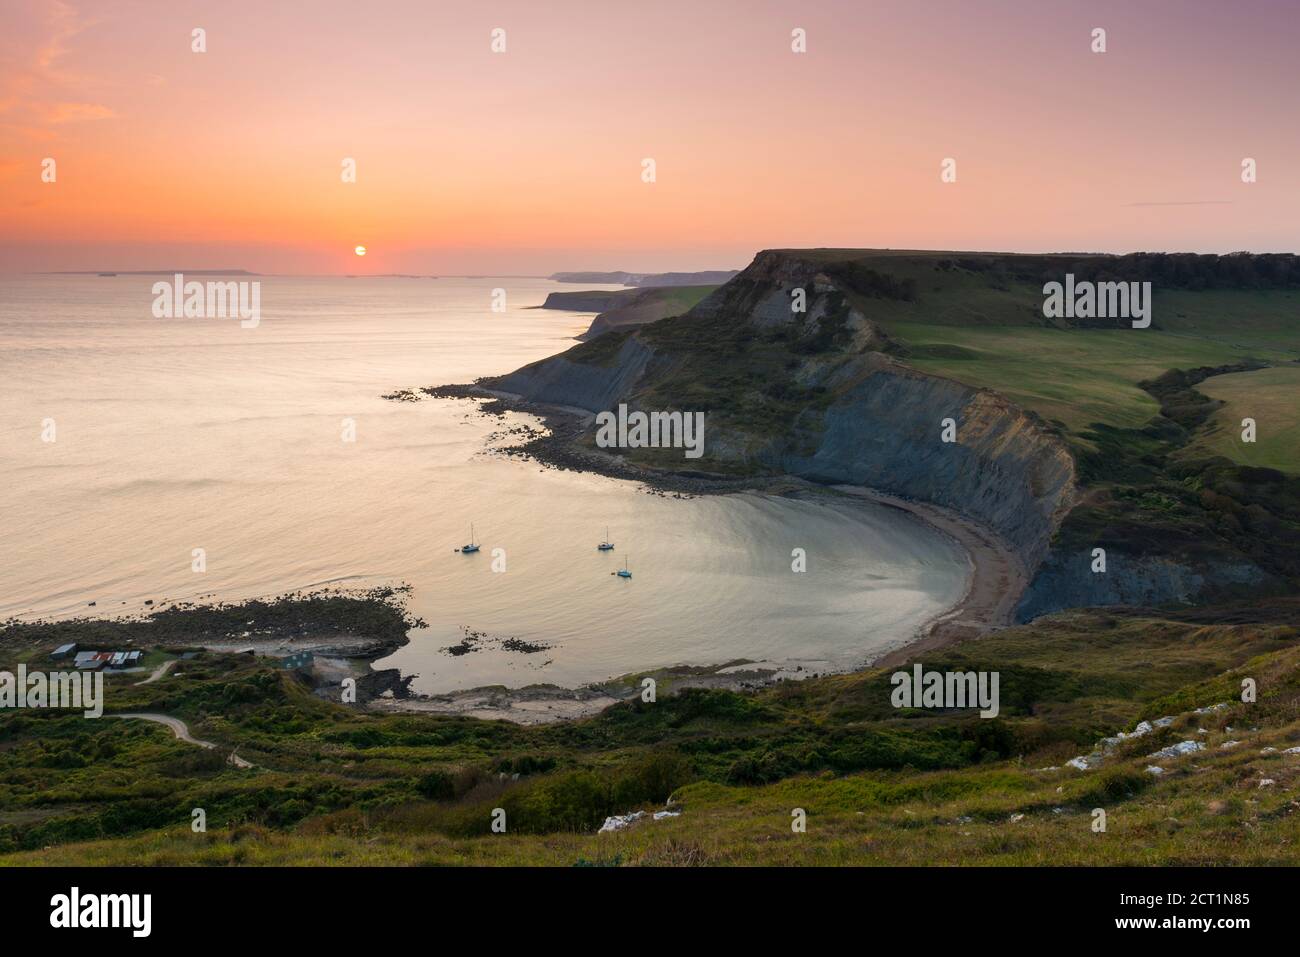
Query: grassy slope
1076, 377
644, 305
1079, 377
1272, 398
986, 328
879, 785
678, 299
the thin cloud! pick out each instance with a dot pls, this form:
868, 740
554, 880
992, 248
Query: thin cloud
65, 23
1189, 202
70, 112
24, 112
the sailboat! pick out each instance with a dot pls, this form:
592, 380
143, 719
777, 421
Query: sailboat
471, 547
623, 572
606, 545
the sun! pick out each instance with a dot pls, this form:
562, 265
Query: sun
360, 250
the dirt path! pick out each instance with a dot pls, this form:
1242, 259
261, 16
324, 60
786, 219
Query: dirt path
161, 670
182, 731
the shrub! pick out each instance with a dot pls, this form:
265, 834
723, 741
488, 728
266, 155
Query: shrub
436, 785
652, 778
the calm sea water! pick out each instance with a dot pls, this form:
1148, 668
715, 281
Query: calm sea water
177, 434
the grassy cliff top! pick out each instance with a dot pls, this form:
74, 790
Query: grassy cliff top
977, 318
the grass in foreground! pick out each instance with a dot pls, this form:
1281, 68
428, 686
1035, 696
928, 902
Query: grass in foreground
879, 785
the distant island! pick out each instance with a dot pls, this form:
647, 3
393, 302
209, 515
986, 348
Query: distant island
149, 272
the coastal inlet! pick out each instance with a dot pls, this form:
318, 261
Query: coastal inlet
190, 435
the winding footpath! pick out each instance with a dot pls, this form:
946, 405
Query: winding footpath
161, 670
182, 731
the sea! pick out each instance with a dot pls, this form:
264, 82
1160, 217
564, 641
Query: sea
163, 460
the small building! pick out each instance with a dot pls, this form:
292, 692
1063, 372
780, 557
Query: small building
64, 651
92, 660
87, 660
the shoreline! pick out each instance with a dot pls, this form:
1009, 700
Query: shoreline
340, 650
995, 582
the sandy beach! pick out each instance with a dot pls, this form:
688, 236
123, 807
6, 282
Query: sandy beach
995, 581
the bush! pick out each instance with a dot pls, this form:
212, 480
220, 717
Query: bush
1113, 786
576, 801
652, 779
527, 764
437, 785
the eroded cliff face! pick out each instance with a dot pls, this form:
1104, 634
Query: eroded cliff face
794, 376
593, 386
880, 424
1065, 579
763, 297
1004, 470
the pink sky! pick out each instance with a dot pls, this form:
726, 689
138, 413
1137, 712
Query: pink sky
530, 161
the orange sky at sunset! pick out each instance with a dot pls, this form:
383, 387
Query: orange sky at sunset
529, 161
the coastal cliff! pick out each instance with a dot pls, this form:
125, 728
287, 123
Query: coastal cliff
807, 364
1066, 580
882, 432
563, 381
626, 308
1003, 470
836, 408
589, 300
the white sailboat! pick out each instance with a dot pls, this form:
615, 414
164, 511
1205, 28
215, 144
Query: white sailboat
472, 546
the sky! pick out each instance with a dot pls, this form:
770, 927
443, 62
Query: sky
531, 160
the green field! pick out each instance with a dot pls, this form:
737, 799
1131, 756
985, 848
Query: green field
1272, 398
978, 319
679, 299
1079, 377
